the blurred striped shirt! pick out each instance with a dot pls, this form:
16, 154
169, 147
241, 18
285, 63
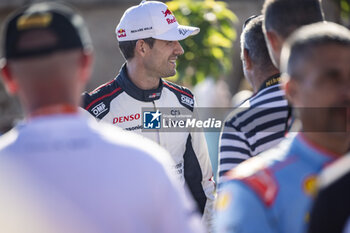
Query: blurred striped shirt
256, 125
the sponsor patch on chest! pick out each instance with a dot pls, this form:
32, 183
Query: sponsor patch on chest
98, 109
122, 119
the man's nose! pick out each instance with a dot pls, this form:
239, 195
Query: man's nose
178, 48
344, 92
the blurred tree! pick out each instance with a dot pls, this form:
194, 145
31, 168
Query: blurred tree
210, 52
345, 12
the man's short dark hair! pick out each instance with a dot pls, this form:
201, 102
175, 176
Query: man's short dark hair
127, 47
300, 45
253, 40
284, 16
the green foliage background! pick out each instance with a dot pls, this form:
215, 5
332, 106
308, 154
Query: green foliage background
345, 11
208, 53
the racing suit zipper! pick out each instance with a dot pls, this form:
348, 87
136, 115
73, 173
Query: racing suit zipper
158, 133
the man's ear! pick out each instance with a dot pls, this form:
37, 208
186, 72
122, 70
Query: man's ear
274, 40
87, 59
291, 88
247, 61
141, 48
10, 83
274, 43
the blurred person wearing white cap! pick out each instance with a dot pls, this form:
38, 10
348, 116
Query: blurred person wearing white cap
61, 171
148, 36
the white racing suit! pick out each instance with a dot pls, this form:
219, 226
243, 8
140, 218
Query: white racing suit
121, 103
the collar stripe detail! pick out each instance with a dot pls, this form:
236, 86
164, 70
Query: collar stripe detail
183, 92
102, 97
103, 85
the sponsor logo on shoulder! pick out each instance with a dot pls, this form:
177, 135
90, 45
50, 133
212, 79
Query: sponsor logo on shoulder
187, 100
98, 109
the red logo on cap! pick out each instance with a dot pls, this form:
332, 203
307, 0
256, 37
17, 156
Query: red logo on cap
121, 33
168, 13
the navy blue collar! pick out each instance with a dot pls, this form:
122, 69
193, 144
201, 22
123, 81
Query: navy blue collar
271, 81
131, 89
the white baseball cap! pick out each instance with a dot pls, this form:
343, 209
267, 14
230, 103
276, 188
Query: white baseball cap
152, 19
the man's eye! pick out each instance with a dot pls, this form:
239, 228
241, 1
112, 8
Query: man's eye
333, 75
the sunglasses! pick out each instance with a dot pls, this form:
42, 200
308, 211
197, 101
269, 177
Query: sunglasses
248, 20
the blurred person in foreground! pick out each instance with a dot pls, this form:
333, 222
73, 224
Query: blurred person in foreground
331, 210
59, 170
266, 111
273, 191
148, 36
282, 17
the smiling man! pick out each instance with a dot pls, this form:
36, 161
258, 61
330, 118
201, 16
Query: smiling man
61, 171
148, 36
